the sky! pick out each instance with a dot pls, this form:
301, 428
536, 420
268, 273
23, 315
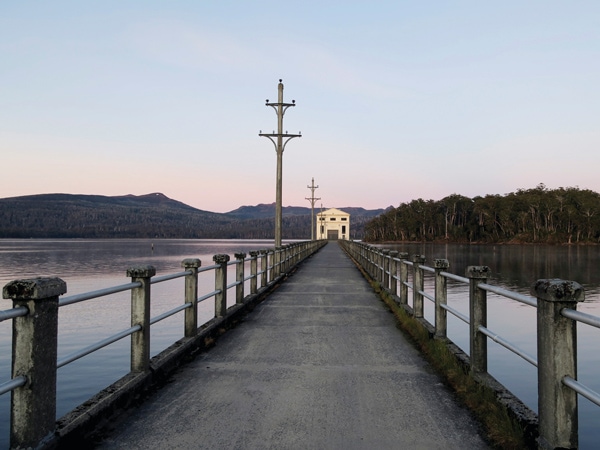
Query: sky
395, 100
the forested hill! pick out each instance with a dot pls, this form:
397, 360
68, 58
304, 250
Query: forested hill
539, 215
150, 216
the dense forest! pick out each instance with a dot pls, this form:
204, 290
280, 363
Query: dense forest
538, 215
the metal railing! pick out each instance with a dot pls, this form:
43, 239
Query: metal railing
555, 302
36, 307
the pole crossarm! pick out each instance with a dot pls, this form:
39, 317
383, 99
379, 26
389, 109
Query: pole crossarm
270, 136
279, 140
284, 106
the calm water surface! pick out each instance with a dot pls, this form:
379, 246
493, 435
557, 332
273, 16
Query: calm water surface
88, 265
517, 267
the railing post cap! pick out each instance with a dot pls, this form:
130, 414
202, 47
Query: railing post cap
393, 253
263, 251
141, 271
385, 251
403, 255
240, 255
441, 263
34, 289
221, 259
254, 253
191, 263
556, 290
419, 259
477, 271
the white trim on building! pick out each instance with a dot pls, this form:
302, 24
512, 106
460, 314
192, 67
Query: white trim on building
333, 224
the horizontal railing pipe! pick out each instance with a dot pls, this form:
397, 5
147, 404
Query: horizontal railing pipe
96, 346
35, 340
555, 302
13, 313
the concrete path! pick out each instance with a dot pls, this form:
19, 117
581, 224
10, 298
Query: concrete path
319, 365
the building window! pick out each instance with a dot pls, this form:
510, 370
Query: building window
343, 229
322, 229
332, 218
344, 218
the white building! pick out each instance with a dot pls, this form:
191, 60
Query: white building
333, 224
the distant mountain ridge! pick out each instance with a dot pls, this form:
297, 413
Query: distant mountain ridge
264, 210
151, 216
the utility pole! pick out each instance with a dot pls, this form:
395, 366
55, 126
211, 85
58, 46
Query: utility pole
277, 139
312, 200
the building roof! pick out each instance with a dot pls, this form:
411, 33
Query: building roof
333, 211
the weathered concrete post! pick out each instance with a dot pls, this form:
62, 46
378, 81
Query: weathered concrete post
380, 265
393, 272
297, 252
441, 297
253, 271
277, 262
221, 284
403, 256
385, 269
373, 265
285, 249
239, 277
367, 259
418, 285
34, 350
478, 317
191, 296
271, 255
360, 251
140, 315
264, 268
557, 358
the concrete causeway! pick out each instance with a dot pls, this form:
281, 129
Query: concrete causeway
319, 364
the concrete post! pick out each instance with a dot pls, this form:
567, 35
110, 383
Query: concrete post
557, 358
441, 297
418, 285
285, 253
403, 256
191, 296
277, 262
253, 271
478, 317
373, 262
140, 315
239, 277
393, 272
221, 284
34, 350
385, 256
264, 268
368, 254
271, 255
380, 265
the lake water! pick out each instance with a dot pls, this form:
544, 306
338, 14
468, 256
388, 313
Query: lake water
517, 267
88, 265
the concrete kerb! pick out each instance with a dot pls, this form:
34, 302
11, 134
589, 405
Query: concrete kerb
88, 420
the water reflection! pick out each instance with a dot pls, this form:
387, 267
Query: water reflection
517, 267
93, 264
87, 265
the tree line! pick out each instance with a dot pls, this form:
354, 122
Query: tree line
538, 215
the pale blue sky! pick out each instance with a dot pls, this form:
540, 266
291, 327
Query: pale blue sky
396, 100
